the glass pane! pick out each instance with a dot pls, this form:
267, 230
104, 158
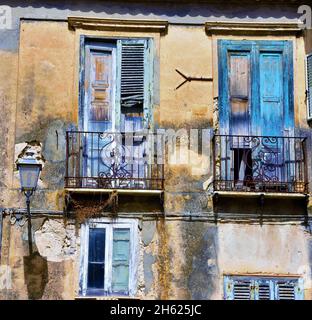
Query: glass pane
96, 245
29, 176
96, 259
96, 275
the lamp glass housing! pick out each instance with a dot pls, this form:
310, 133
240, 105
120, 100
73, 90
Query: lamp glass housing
29, 175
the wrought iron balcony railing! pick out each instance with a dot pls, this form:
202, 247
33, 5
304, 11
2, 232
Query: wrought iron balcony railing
113, 160
260, 164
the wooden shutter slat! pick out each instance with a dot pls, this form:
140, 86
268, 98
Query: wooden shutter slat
242, 290
264, 291
286, 290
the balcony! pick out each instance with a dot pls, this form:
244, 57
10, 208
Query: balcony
260, 164
113, 160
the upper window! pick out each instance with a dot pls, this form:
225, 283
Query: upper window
259, 288
116, 87
108, 256
256, 88
309, 85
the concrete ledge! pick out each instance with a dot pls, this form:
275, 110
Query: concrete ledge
247, 194
215, 27
159, 26
119, 191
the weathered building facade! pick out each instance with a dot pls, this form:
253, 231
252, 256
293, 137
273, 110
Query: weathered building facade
227, 218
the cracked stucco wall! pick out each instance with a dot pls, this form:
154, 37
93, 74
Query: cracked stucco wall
38, 99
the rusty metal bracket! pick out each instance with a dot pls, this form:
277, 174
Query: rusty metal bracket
189, 79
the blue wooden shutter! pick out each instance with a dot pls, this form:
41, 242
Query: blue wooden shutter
264, 289
239, 289
268, 67
120, 261
289, 289
228, 288
98, 107
309, 85
299, 290
239, 92
271, 93
244, 288
99, 86
96, 258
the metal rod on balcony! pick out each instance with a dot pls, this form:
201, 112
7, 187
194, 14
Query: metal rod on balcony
259, 164
103, 163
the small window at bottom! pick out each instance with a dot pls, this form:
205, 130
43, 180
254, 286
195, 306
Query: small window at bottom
108, 258
258, 288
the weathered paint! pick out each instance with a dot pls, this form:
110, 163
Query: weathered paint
180, 258
262, 288
271, 70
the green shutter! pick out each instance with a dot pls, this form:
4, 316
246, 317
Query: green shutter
120, 262
309, 85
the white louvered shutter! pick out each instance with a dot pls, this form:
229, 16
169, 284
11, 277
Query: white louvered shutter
239, 289
242, 290
263, 290
309, 85
285, 290
257, 288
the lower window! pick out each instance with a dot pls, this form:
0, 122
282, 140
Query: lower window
108, 257
259, 288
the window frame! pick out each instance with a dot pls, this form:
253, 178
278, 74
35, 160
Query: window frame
148, 78
255, 48
309, 116
272, 281
109, 225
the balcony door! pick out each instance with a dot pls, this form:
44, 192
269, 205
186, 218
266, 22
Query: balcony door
256, 110
99, 110
115, 102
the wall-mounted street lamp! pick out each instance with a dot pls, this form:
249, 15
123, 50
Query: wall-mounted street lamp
29, 170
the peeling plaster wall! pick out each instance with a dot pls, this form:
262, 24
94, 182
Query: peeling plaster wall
178, 259
8, 91
269, 249
39, 102
308, 41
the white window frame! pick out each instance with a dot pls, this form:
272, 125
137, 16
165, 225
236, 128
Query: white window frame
309, 116
109, 225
